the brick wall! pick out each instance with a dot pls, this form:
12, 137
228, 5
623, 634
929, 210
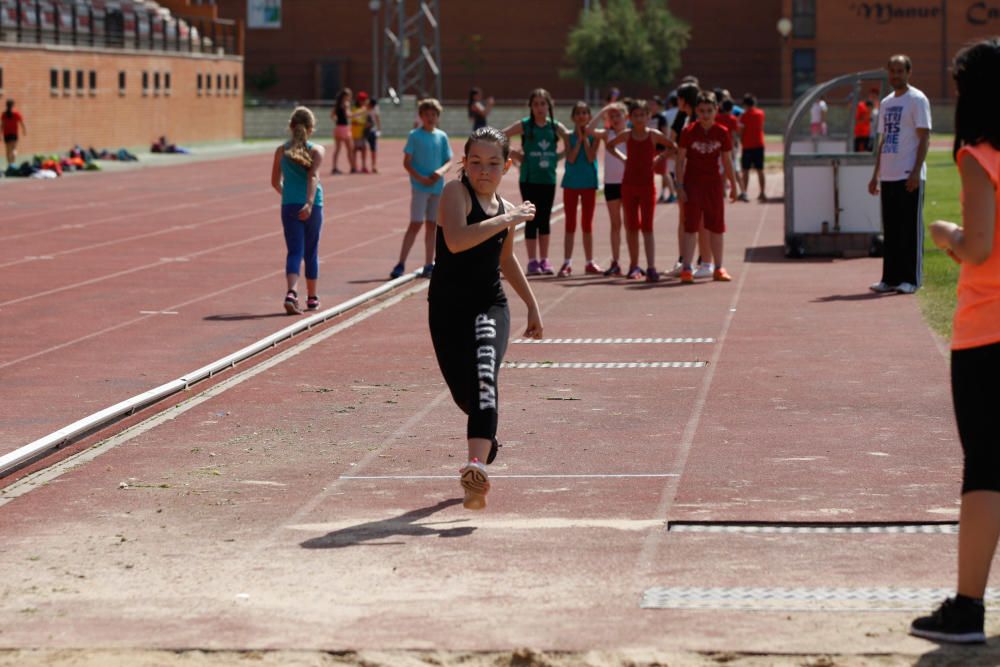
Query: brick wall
103, 117
507, 50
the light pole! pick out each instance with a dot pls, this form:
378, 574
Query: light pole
784, 28
374, 6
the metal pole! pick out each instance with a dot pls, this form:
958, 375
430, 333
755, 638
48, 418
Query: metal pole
400, 32
38, 22
19, 19
944, 49
437, 49
375, 92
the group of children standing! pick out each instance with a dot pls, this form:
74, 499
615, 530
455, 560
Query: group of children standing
357, 125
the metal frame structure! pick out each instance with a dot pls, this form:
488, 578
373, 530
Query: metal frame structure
804, 155
411, 50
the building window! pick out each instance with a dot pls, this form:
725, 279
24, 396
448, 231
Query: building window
218, 84
166, 83
236, 83
92, 82
803, 70
208, 83
121, 82
145, 82
67, 86
1, 80
156, 83
54, 81
201, 84
79, 82
804, 19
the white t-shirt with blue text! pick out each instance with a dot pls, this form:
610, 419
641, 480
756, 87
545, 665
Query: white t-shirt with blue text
428, 151
900, 116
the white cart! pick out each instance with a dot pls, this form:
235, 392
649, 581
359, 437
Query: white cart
828, 210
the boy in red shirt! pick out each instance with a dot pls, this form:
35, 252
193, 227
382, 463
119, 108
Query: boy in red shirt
11, 121
699, 183
752, 121
731, 122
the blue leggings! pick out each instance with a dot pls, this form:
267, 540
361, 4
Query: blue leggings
302, 239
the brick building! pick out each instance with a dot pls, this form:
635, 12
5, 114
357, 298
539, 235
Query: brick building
508, 49
121, 84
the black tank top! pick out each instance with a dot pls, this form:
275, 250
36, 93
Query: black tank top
341, 115
471, 276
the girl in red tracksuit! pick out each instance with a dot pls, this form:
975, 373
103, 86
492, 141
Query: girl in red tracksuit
639, 187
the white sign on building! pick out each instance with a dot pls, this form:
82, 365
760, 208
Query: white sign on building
264, 14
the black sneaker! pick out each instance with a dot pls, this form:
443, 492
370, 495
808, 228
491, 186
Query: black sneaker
955, 621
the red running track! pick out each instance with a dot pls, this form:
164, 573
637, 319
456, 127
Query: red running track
114, 283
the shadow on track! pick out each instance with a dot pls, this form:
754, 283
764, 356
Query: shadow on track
402, 525
948, 655
235, 317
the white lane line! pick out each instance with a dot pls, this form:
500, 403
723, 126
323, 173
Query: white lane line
32, 481
525, 476
157, 312
608, 341
184, 258
601, 364
203, 297
651, 545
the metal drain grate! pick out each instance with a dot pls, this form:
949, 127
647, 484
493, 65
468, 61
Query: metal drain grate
603, 364
887, 529
802, 599
608, 341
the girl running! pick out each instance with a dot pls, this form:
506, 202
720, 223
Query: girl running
612, 115
540, 132
639, 188
341, 116
12, 121
975, 344
295, 175
468, 314
580, 184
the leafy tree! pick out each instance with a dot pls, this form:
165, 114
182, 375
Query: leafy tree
616, 43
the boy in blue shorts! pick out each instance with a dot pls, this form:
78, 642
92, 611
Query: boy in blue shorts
427, 159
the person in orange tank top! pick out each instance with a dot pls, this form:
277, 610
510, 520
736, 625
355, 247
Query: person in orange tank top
975, 345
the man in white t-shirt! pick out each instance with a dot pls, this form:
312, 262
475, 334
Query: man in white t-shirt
817, 118
904, 123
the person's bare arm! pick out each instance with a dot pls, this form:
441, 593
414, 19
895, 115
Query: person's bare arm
680, 167
873, 184
913, 182
662, 139
312, 185
973, 241
727, 165
513, 129
24, 128
276, 170
612, 146
440, 172
514, 274
574, 151
417, 176
455, 207
590, 147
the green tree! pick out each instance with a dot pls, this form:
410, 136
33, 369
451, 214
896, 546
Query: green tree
614, 42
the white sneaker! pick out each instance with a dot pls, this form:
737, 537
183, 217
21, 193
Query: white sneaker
882, 288
704, 270
476, 484
906, 288
676, 271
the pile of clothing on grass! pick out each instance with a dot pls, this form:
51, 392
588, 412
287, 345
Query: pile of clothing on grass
77, 159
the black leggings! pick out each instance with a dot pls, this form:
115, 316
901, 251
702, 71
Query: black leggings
469, 345
543, 197
976, 394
